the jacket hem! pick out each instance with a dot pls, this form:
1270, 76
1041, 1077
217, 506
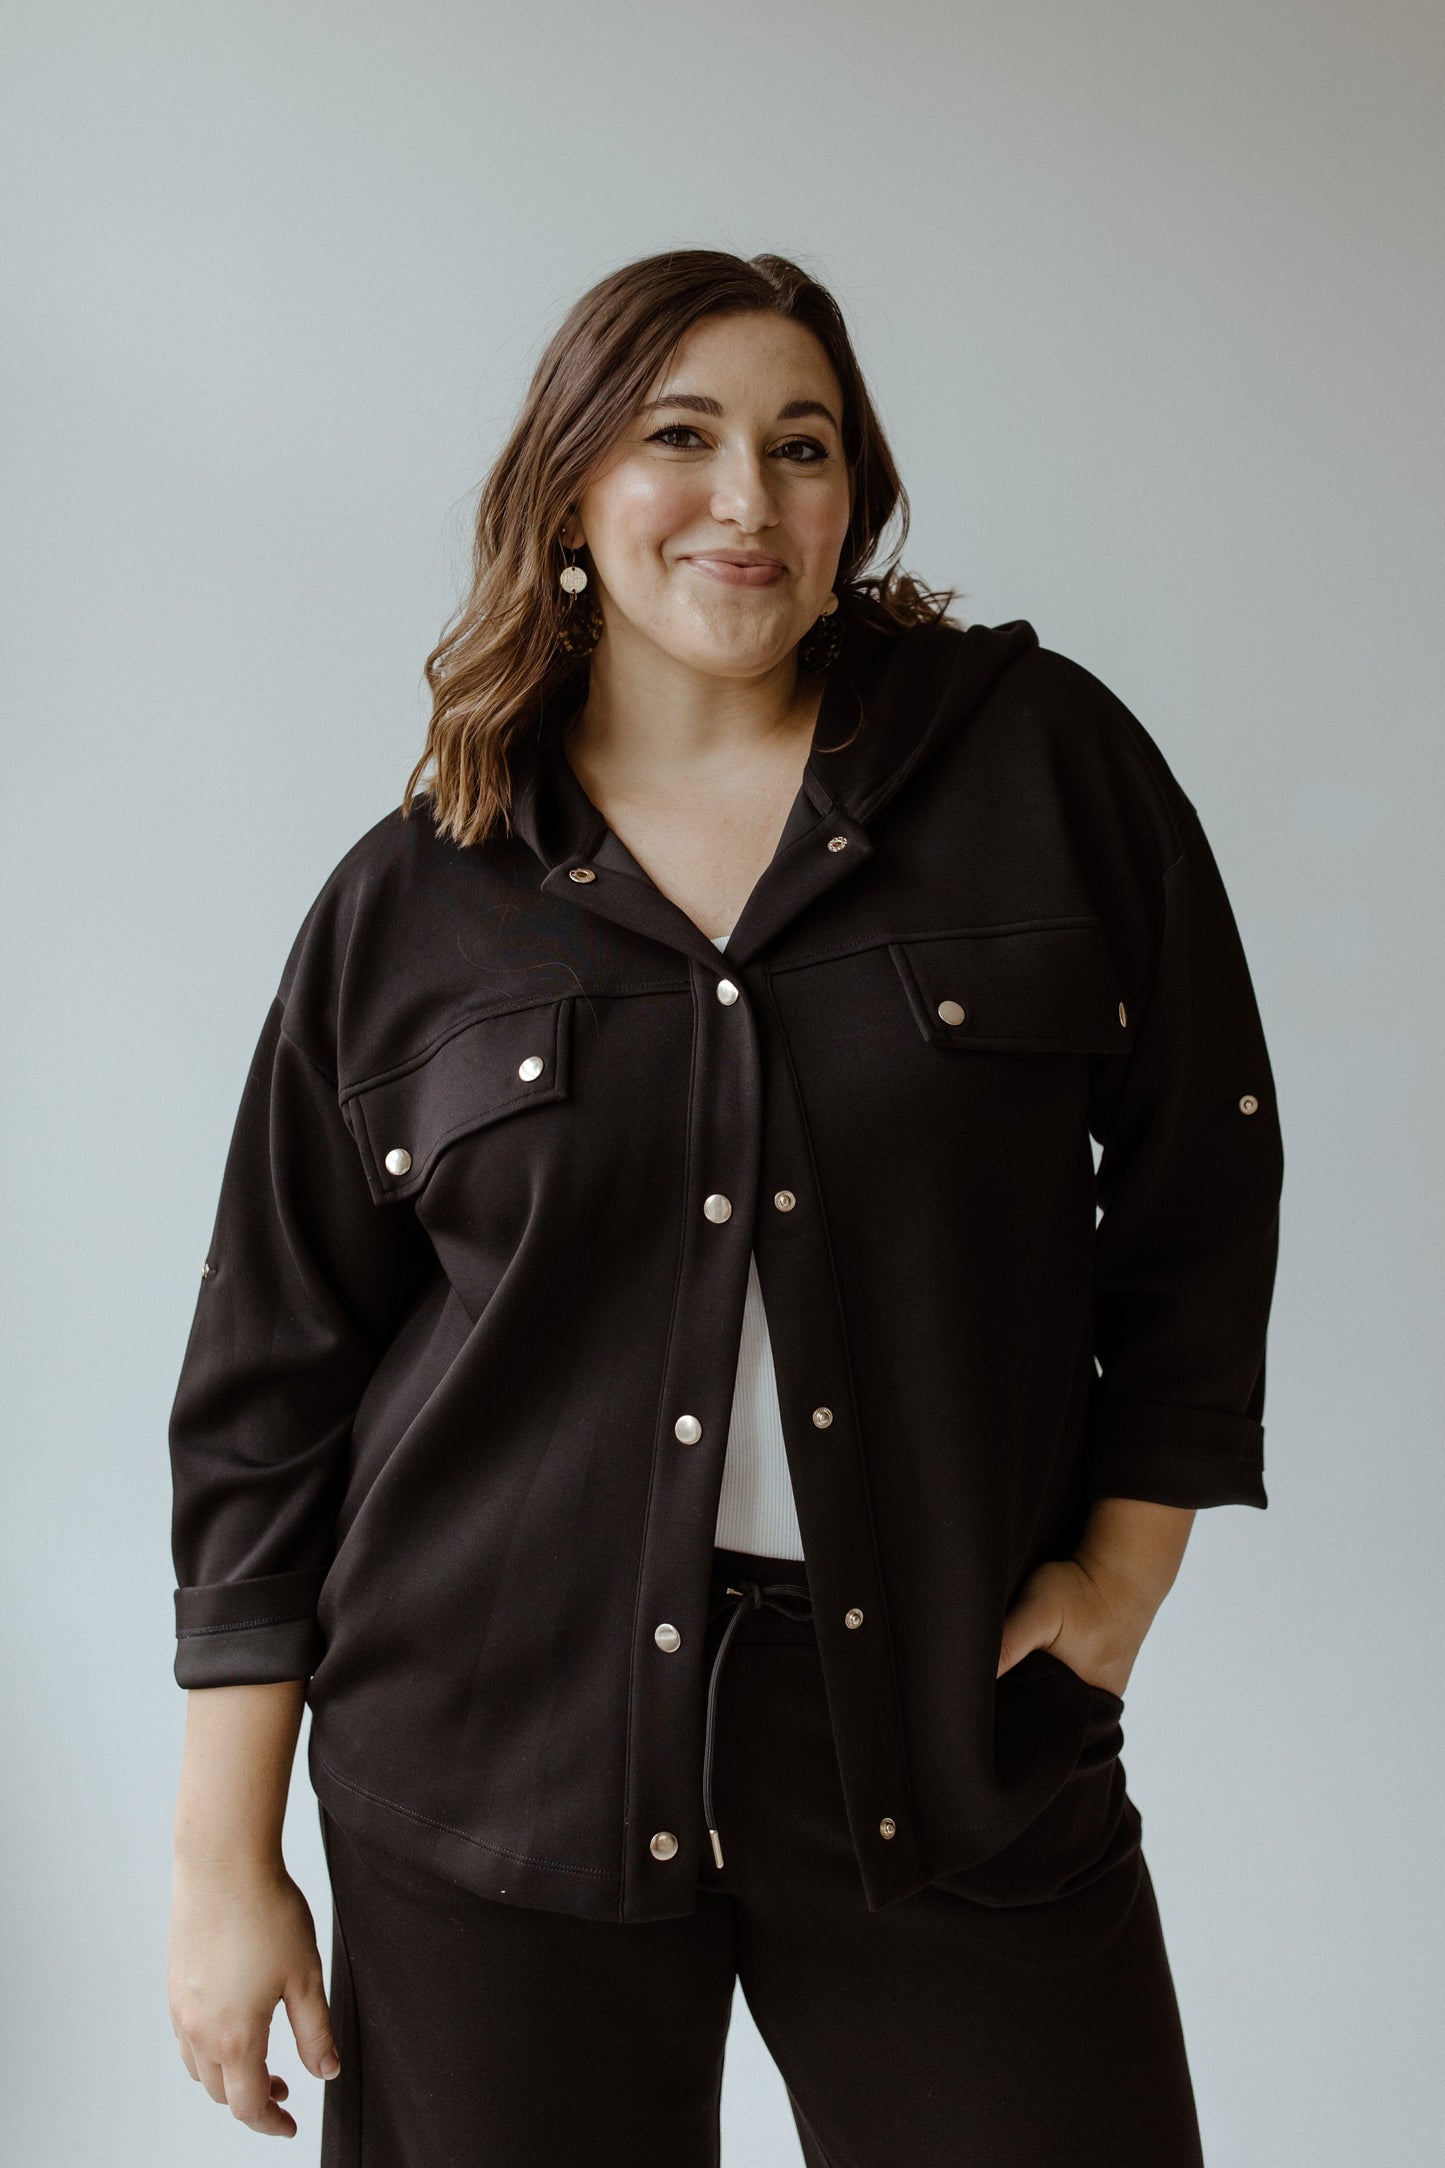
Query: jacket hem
457, 1856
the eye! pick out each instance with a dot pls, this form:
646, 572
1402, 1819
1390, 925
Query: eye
810, 445
673, 429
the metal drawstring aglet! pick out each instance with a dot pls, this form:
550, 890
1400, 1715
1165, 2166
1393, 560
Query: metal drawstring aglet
716, 1847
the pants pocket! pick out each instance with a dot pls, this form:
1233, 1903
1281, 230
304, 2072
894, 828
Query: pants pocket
1086, 1824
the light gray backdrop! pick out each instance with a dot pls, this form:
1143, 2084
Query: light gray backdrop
1150, 297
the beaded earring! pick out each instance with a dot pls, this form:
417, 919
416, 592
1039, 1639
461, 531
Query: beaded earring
819, 645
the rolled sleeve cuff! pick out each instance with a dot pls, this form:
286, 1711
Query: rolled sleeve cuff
249, 1633
1175, 1456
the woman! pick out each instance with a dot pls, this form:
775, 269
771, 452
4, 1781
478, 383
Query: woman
661, 1389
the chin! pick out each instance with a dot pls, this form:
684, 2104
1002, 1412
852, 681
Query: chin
729, 656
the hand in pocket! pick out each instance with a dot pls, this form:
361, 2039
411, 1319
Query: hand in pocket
1078, 1618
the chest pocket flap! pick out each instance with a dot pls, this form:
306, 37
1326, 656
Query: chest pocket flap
405, 1118
1026, 989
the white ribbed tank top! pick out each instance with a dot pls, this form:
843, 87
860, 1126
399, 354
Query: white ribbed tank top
755, 1510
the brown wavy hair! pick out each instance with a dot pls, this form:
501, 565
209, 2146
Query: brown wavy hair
499, 659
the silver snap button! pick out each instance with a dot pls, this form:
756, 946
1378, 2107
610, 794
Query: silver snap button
688, 1429
717, 1207
727, 993
532, 1066
580, 873
398, 1159
951, 1011
887, 1827
837, 843
853, 1617
784, 1199
667, 1637
822, 1417
663, 1845
1249, 1104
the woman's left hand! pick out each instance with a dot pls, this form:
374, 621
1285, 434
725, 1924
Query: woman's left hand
1093, 1623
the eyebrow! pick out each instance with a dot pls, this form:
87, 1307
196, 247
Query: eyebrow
697, 404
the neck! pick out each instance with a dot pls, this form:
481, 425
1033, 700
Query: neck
644, 708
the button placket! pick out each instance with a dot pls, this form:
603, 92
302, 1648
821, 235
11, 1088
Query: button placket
727, 1098
834, 1504
724, 1146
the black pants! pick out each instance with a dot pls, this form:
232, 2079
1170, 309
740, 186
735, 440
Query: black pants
935, 2033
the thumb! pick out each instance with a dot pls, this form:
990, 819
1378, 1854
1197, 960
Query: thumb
1032, 1624
310, 2016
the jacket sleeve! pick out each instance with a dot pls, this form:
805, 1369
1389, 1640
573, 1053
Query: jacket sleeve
1189, 1184
304, 1284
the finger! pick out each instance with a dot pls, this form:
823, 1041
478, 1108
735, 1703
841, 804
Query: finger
281, 2123
1031, 1625
1020, 1635
1009, 1656
249, 2095
209, 2074
272, 2122
310, 2015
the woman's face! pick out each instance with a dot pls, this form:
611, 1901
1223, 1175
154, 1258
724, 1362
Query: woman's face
737, 452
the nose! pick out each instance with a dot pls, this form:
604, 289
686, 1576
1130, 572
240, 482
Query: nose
743, 494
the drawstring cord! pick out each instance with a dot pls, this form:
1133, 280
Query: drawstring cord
756, 1596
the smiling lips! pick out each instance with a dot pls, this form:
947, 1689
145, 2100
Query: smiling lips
737, 568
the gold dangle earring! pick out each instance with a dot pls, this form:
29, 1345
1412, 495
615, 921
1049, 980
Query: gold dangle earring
581, 627
820, 643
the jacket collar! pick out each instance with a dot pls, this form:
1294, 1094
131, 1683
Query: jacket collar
889, 702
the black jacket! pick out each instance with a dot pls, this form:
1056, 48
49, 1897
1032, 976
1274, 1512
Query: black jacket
462, 1288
